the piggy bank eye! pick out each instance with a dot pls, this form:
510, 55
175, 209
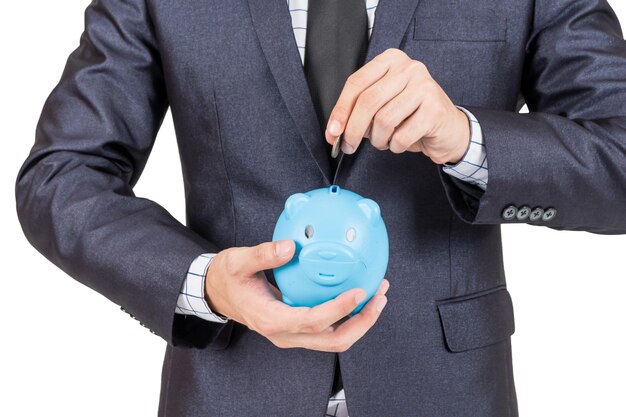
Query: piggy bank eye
351, 234
308, 231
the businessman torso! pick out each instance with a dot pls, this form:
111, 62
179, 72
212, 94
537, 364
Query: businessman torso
248, 138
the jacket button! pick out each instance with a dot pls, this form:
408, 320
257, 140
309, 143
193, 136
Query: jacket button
509, 212
523, 213
536, 214
549, 214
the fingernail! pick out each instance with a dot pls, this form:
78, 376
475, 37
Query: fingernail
283, 248
346, 147
381, 304
334, 128
359, 297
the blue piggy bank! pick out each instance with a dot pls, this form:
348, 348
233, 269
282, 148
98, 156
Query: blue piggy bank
341, 243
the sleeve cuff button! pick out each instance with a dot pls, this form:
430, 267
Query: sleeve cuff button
549, 214
523, 213
509, 212
536, 214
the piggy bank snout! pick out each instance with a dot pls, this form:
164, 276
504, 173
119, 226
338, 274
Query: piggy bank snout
328, 263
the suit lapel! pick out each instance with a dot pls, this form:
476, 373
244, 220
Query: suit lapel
272, 23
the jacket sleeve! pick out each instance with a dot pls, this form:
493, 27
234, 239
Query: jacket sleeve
74, 192
569, 153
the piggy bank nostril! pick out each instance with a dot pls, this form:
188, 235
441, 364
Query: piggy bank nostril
327, 254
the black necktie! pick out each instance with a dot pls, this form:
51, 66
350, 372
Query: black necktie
336, 44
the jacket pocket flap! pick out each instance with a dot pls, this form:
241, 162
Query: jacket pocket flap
477, 320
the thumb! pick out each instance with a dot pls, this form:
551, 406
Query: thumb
266, 255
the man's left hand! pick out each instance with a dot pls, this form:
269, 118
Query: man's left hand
395, 103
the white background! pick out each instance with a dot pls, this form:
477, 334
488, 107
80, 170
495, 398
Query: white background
66, 350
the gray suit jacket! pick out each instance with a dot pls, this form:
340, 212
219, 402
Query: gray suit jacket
248, 138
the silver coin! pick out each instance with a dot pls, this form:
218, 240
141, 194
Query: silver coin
335, 151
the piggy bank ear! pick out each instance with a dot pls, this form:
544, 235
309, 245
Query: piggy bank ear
371, 210
294, 203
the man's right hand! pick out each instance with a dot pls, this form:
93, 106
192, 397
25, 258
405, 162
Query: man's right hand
237, 288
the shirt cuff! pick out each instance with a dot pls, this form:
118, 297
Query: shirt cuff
472, 168
191, 299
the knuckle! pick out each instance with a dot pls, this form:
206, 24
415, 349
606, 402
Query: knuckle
394, 53
380, 145
405, 141
430, 86
418, 66
372, 318
254, 326
350, 135
279, 343
340, 112
438, 159
369, 99
394, 148
402, 139
422, 68
271, 329
333, 348
355, 80
312, 329
264, 327
384, 120
347, 307
259, 253
339, 347
311, 326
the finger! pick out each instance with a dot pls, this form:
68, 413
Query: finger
416, 147
272, 316
360, 80
346, 334
319, 318
424, 122
393, 113
410, 131
368, 103
329, 320
356, 326
285, 316
248, 260
383, 288
368, 131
